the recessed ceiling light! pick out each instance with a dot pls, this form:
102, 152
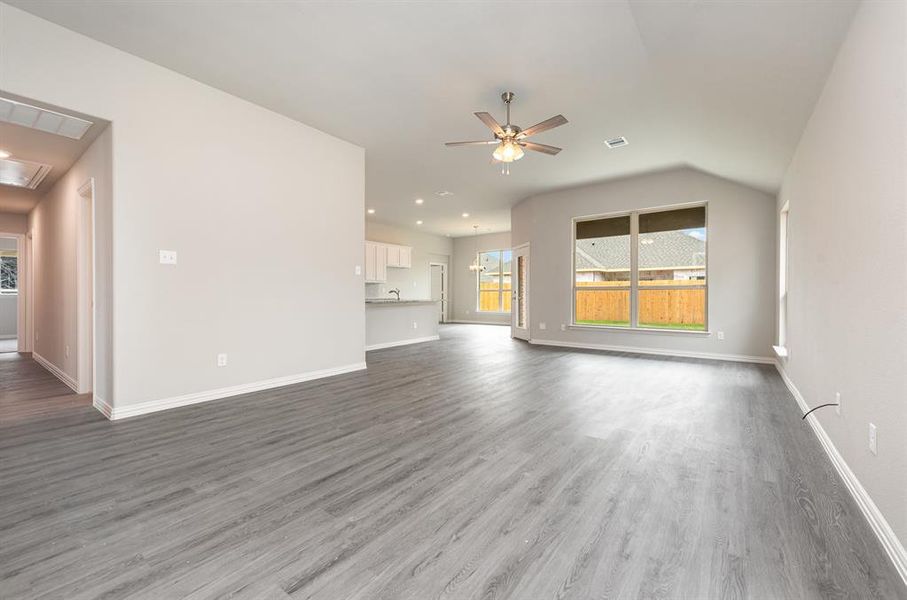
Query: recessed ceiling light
371, 211
418, 222
419, 200
616, 142
465, 215
4, 154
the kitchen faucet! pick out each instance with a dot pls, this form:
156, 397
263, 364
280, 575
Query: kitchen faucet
395, 291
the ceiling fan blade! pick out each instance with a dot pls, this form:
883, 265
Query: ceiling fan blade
543, 126
491, 123
482, 143
544, 148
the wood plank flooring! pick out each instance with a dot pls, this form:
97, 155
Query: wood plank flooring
28, 391
472, 467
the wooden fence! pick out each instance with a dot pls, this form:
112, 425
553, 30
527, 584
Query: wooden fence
656, 307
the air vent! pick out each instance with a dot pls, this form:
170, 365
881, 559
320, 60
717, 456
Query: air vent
443, 193
42, 119
22, 173
616, 142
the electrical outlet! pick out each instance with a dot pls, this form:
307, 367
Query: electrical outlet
358, 270
720, 335
415, 284
543, 326
221, 360
838, 403
563, 327
168, 257
415, 325
873, 442
467, 311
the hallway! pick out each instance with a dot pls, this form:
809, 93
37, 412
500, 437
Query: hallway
29, 392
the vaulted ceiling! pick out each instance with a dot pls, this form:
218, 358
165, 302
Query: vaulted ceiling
725, 87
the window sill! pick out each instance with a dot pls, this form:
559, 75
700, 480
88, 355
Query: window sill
490, 312
642, 330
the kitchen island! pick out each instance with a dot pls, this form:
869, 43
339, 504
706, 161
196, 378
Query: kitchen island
399, 322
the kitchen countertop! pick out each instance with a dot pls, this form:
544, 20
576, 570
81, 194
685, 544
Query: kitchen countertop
394, 302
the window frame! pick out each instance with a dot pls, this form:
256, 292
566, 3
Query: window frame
634, 272
500, 289
783, 272
11, 291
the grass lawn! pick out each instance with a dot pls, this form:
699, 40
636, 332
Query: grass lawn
683, 326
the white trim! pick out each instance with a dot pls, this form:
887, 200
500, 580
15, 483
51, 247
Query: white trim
431, 338
101, 405
86, 326
22, 296
780, 351
151, 406
877, 522
767, 360
56, 372
11, 336
464, 322
652, 330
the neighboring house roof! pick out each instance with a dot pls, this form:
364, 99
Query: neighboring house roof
668, 250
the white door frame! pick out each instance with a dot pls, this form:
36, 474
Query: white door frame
86, 271
22, 296
445, 290
522, 333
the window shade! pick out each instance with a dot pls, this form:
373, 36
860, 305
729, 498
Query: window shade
672, 220
599, 228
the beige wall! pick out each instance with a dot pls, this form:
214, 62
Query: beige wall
414, 283
264, 212
741, 249
847, 308
464, 281
13, 223
54, 229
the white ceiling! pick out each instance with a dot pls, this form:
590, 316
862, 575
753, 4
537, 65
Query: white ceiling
41, 147
726, 87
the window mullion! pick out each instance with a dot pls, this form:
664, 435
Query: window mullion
634, 270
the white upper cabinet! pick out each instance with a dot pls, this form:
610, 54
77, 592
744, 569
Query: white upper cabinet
390, 255
375, 262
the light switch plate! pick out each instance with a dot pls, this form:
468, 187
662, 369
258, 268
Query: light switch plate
358, 270
168, 257
221, 360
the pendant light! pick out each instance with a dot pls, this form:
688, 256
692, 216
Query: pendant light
475, 266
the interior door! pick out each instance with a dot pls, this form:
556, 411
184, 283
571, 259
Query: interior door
519, 325
439, 289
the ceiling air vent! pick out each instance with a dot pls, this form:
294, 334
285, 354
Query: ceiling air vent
42, 119
22, 173
616, 142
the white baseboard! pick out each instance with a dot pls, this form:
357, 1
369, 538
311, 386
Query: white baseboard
56, 371
101, 405
142, 408
431, 338
462, 321
877, 521
658, 352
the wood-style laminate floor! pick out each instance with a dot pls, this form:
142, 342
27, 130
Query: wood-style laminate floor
472, 467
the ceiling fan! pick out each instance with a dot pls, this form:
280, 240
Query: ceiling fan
510, 139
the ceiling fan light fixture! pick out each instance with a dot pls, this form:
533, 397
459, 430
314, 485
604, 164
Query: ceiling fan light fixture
508, 152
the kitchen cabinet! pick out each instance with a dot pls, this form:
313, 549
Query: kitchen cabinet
375, 262
380, 256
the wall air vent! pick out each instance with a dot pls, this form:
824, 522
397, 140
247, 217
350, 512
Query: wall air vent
42, 119
616, 142
22, 173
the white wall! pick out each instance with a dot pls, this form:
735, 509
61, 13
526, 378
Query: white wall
265, 213
414, 283
741, 260
13, 223
464, 284
54, 228
847, 308
8, 304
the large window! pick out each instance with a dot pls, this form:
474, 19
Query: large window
9, 272
641, 270
494, 281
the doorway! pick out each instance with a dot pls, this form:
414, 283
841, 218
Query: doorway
86, 287
439, 289
12, 332
519, 325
